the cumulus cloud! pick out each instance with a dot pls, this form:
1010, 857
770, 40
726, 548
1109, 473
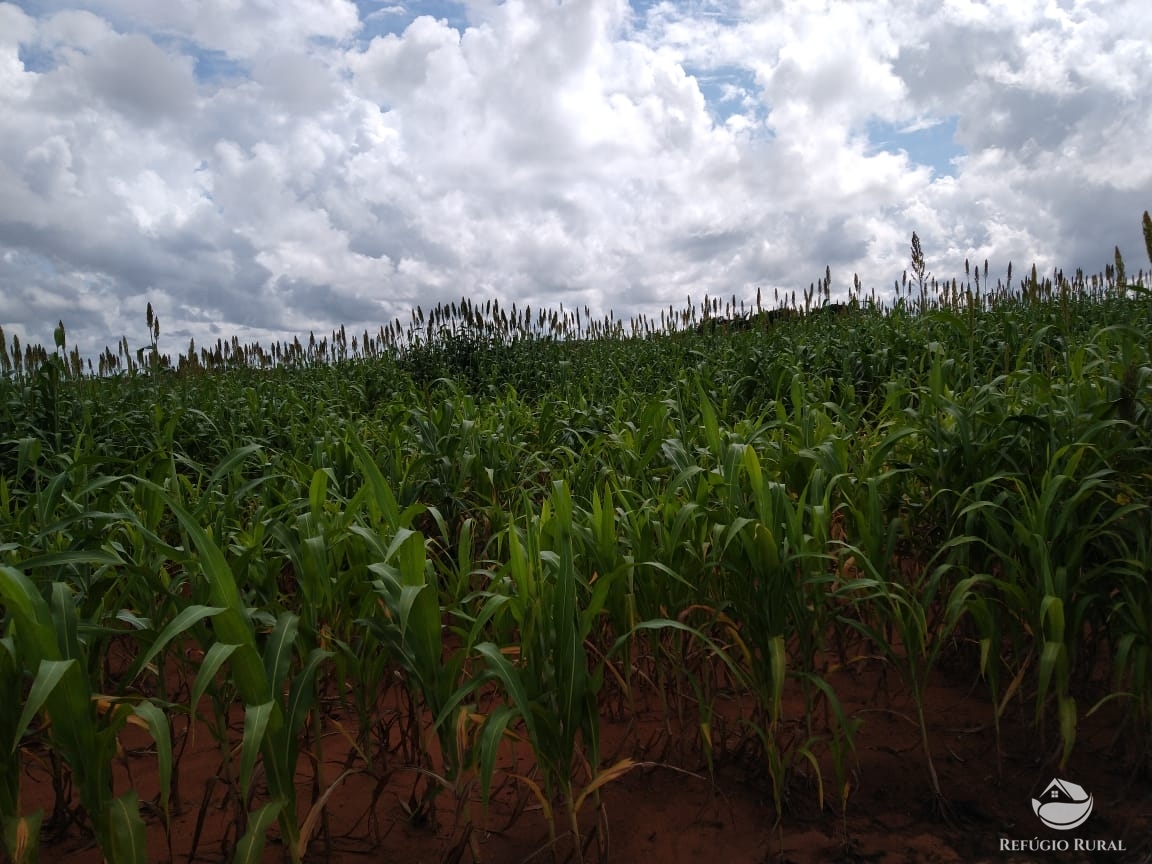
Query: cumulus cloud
241, 28
266, 168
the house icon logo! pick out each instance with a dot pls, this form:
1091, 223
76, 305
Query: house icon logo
1063, 805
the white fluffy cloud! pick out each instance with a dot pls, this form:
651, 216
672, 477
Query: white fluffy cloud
266, 168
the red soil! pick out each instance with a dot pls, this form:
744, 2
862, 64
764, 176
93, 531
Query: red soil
674, 812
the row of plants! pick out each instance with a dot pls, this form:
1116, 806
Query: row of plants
482, 535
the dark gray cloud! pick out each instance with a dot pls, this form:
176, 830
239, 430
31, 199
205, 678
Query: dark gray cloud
133, 75
323, 303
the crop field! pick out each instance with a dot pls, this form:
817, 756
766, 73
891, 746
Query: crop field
487, 585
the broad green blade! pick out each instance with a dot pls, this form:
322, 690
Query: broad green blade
48, 677
209, 666
250, 849
161, 734
183, 622
278, 650
255, 725
127, 833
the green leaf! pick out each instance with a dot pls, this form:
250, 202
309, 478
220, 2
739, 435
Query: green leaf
183, 622
318, 492
128, 836
255, 725
64, 617
1067, 708
304, 692
250, 849
48, 677
36, 634
161, 734
711, 424
231, 461
489, 743
209, 666
278, 650
506, 673
383, 501
778, 661
71, 557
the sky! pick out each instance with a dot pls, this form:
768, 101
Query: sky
267, 168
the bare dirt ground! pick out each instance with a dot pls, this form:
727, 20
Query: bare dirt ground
672, 810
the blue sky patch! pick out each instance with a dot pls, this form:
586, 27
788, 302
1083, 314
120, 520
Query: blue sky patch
35, 58
931, 144
384, 17
725, 89
215, 66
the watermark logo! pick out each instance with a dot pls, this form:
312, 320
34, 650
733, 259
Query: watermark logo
1063, 805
